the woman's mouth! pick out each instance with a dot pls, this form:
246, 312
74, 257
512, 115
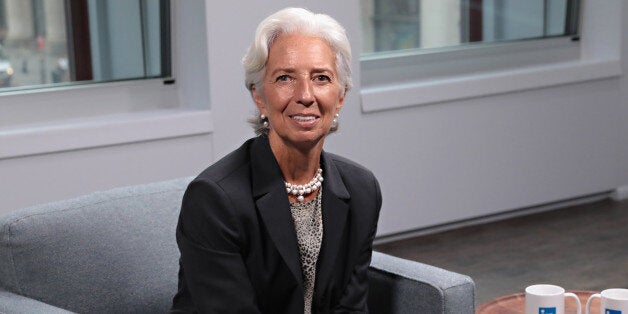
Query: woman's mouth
304, 120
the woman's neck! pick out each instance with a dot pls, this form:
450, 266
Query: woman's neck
298, 164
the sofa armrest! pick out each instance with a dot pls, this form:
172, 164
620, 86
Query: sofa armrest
11, 303
403, 286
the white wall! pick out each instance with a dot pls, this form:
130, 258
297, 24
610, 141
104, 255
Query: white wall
42, 178
437, 164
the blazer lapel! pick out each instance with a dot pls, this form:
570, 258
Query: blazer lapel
335, 210
270, 197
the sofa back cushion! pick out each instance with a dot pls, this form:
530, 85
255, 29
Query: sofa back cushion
111, 251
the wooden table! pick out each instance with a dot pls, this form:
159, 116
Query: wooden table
516, 303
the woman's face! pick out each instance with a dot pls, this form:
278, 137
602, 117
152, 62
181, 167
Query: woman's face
300, 91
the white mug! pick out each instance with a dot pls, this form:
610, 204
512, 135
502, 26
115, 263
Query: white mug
547, 299
613, 301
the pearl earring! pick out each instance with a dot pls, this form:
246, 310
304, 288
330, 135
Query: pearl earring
335, 121
264, 121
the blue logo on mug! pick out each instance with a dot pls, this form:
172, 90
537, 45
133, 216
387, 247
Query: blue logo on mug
609, 311
547, 310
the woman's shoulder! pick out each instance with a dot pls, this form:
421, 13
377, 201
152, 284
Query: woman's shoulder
360, 182
226, 166
346, 165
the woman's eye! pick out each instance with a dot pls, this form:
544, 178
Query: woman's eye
283, 78
323, 78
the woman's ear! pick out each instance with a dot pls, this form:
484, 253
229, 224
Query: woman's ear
257, 98
341, 101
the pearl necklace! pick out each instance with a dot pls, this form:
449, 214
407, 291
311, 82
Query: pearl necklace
299, 190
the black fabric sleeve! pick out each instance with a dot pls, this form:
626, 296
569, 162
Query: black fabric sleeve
209, 239
354, 297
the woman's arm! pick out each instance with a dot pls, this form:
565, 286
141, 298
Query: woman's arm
209, 239
354, 298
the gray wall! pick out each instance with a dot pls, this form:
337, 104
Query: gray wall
437, 164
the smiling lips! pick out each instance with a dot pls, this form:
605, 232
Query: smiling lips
304, 120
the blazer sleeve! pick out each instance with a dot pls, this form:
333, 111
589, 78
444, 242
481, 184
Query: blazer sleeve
354, 297
212, 265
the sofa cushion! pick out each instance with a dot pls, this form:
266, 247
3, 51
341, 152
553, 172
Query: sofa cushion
117, 246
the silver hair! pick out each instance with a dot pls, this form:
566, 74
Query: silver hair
295, 21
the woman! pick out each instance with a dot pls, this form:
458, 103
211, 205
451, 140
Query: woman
279, 225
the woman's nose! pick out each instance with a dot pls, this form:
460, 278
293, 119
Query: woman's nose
304, 93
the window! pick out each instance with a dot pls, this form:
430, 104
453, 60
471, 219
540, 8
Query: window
119, 96
44, 42
417, 52
424, 24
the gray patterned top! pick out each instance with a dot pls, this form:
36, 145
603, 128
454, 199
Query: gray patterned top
308, 222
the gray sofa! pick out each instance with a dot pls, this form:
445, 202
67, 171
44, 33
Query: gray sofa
115, 252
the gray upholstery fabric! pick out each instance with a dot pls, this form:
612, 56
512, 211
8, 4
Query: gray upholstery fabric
109, 252
115, 252
398, 285
13, 303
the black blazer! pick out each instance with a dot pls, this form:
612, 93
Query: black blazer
239, 250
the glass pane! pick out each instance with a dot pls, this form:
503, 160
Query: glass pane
390, 25
59, 42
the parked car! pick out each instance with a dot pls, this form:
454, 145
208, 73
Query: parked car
6, 70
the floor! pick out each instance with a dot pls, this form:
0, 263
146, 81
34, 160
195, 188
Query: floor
582, 247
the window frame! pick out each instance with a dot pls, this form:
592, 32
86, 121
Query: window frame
91, 115
398, 79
